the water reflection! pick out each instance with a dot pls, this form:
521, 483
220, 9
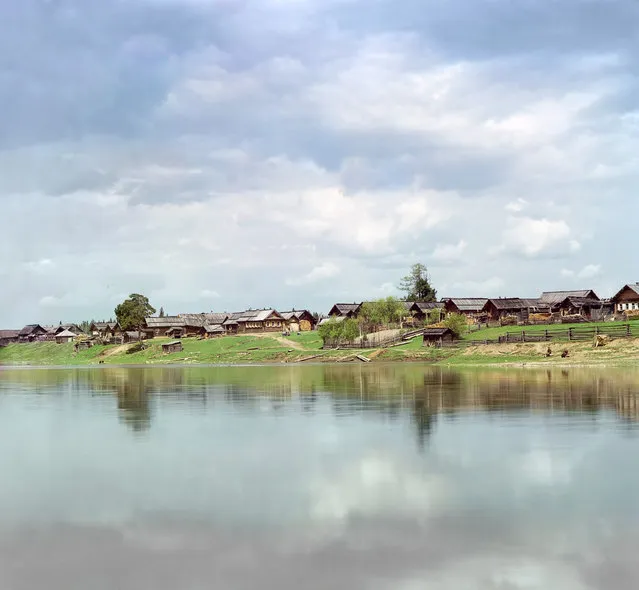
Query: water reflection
381, 477
392, 390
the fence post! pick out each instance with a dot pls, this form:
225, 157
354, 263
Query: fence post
523, 335
597, 331
547, 335
628, 333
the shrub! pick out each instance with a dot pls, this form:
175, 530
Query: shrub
457, 323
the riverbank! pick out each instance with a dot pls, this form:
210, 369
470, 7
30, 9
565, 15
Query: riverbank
307, 348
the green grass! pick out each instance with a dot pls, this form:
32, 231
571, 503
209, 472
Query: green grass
494, 333
309, 340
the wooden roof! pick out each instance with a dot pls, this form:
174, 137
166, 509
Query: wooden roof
345, 308
556, 297
437, 332
632, 286
165, 322
30, 329
9, 333
468, 303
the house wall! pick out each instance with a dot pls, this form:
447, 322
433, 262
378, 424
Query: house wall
273, 325
627, 300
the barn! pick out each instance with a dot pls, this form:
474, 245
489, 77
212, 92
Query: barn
438, 336
174, 346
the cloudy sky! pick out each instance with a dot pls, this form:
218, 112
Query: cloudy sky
221, 154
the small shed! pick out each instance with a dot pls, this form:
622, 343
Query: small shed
175, 346
64, 337
175, 332
438, 336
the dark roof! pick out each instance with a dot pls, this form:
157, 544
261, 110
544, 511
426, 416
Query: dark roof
580, 301
30, 329
9, 333
556, 297
468, 303
437, 332
346, 308
506, 303
296, 314
426, 305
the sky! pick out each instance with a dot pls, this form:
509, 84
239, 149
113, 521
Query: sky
225, 154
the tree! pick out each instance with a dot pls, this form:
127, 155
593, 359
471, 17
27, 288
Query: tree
350, 330
335, 331
132, 312
435, 315
417, 285
456, 322
382, 312
161, 312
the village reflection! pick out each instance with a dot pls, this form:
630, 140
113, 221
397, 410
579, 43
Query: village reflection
422, 394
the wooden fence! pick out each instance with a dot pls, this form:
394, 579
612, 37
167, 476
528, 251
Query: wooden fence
576, 334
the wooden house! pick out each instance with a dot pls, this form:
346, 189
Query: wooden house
9, 337
346, 310
162, 326
627, 299
421, 310
64, 337
585, 303
299, 320
104, 330
438, 336
195, 323
500, 308
214, 331
175, 346
471, 307
32, 333
254, 321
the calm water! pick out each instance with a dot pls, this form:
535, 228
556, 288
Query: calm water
318, 477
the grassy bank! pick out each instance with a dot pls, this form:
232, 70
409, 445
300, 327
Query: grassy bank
307, 348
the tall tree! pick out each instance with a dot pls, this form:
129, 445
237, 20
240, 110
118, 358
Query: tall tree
417, 285
132, 312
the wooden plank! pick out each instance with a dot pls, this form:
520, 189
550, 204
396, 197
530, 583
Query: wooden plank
362, 358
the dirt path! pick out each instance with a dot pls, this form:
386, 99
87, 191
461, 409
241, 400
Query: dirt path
114, 351
284, 341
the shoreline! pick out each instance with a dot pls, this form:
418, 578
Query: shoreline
247, 351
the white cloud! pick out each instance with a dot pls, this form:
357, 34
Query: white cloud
326, 270
449, 252
537, 237
516, 206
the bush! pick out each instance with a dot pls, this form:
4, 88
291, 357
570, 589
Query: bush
335, 331
457, 323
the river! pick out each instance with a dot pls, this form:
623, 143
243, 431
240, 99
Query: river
402, 477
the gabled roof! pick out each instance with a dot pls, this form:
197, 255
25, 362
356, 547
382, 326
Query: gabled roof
437, 331
165, 322
30, 329
425, 306
632, 286
507, 303
556, 297
65, 334
213, 329
468, 303
253, 315
295, 314
345, 308
103, 326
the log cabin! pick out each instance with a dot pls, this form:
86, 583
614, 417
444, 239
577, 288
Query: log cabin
626, 299
346, 310
299, 320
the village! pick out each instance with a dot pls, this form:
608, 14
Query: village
551, 307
